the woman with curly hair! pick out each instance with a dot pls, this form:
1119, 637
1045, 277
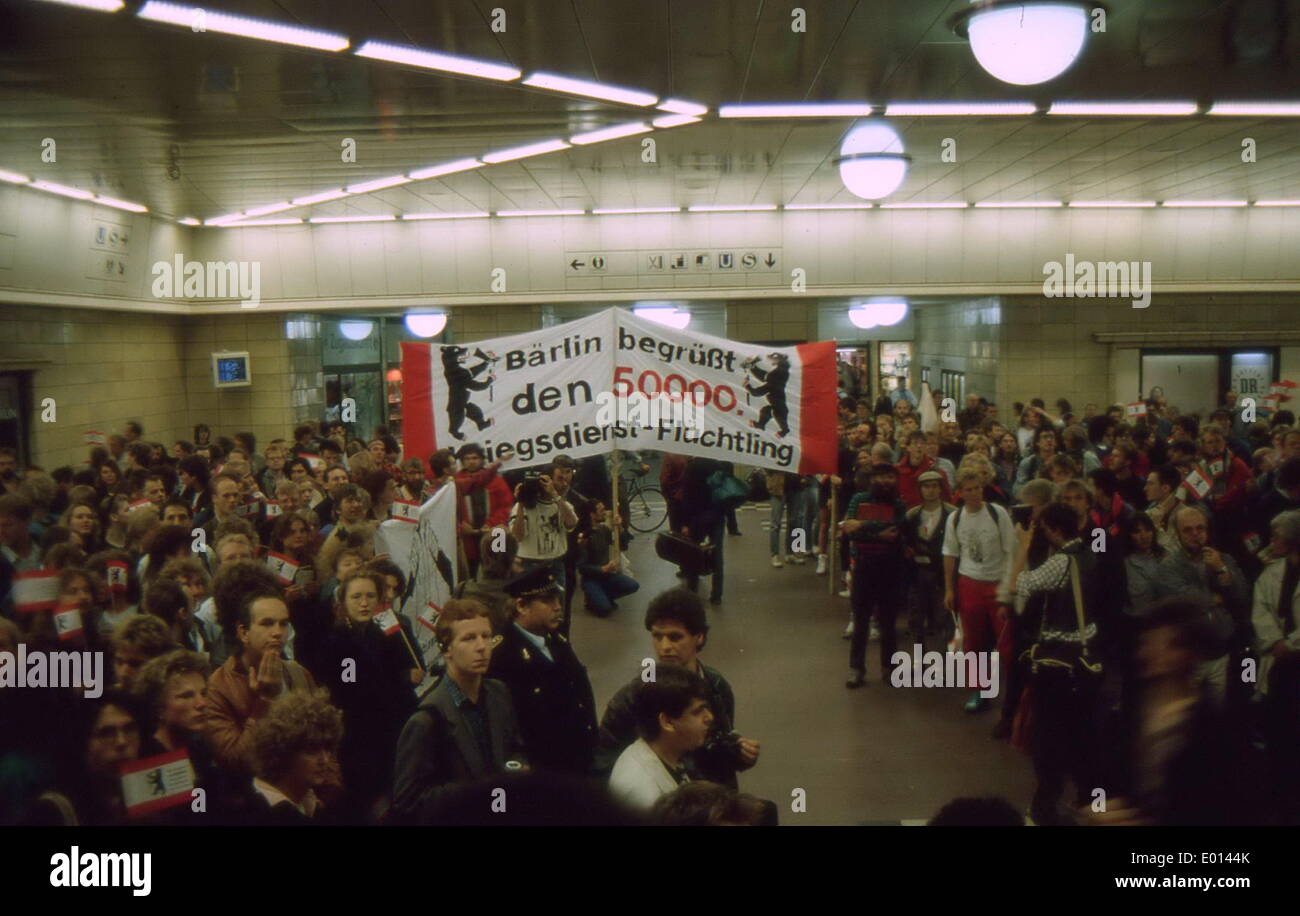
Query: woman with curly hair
83, 521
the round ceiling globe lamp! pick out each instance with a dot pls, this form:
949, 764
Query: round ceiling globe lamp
872, 162
356, 330
876, 313
425, 324
1026, 42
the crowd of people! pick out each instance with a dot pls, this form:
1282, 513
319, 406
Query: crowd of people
253, 624
1133, 568
1134, 572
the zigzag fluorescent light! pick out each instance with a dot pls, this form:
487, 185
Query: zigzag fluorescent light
432, 60
957, 109
203, 20
611, 133
558, 83
523, 152
798, 110
1123, 109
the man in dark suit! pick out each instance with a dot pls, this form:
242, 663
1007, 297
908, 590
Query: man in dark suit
551, 690
465, 728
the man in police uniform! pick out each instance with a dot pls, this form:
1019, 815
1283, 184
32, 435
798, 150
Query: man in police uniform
549, 686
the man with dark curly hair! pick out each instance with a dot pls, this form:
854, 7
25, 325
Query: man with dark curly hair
295, 750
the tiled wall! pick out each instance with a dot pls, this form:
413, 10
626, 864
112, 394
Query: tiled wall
284, 354
962, 337
779, 320
484, 322
1049, 350
102, 369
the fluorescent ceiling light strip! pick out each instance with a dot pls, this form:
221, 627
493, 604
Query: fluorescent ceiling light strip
828, 206
282, 221
610, 133
419, 216
446, 168
675, 120
120, 204
959, 205
352, 219
1277, 203
558, 83
63, 189
1122, 109
1256, 109
1111, 204
1017, 205
268, 209
188, 221
377, 184
730, 208
13, 177
798, 110
950, 109
432, 60
103, 6
193, 17
229, 217
616, 211
679, 106
522, 152
1203, 203
541, 212
319, 198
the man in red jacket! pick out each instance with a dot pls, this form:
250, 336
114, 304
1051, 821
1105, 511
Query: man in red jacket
913, 464
482, 504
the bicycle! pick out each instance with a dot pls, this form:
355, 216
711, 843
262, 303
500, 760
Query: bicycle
646, 507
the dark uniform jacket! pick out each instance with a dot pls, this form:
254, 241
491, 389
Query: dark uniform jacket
438, 749
717, 761
553, 700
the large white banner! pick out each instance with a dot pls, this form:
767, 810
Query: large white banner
425, 551
615, 380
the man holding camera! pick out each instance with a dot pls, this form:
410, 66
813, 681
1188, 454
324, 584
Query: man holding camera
540, 521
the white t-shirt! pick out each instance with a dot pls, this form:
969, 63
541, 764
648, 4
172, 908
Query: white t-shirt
985, 547
545, 537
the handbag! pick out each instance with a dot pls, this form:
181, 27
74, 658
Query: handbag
1065, 660
726, 491
690, 557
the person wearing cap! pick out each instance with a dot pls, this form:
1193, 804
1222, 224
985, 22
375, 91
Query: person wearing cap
485, 501
874, 525
923, 528
915, 464
549, 685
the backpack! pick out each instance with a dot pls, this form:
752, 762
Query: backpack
988, 507
726, 491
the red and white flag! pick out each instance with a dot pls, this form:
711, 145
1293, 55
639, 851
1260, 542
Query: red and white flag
93, 437
405, 510
35, 590
67, 622
157, 783
429, 617
117, 573
1196, 482
273, 509
252, 507
387, 621
138, 504
618, 380
285, 568
1135, 409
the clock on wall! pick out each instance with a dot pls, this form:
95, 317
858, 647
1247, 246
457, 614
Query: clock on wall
231, 370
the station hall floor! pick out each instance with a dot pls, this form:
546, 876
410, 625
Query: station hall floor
877, 755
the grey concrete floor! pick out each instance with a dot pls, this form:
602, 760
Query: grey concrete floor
874, 755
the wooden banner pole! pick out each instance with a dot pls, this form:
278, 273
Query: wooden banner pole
832, 539
617, 529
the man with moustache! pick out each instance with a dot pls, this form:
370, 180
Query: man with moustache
549, 685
